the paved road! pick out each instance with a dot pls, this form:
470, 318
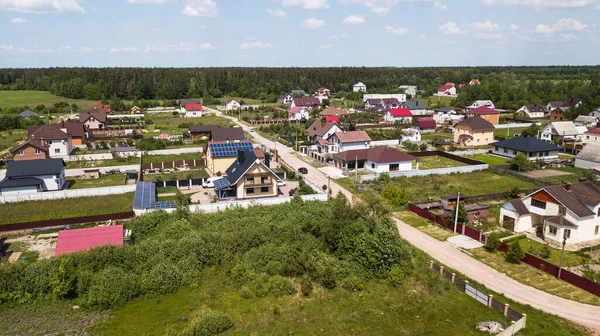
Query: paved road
444, 252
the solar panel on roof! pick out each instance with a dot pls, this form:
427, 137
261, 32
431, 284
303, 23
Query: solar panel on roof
229, 149
145, 195
221, 183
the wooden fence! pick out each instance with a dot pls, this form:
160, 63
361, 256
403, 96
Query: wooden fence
529, 259
65, 221
518, 320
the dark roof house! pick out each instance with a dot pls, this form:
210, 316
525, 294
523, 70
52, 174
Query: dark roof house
28, 113
527, 145
477, 123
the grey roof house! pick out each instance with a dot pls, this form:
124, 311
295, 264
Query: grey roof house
33, 176
530, 147
28, 113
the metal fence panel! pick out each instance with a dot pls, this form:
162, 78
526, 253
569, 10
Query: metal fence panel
436, 268
460, 283
499, 306
475, 294
447, 274
514, 315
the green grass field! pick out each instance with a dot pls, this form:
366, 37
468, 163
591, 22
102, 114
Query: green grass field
104, 181
491, 160
435, 101
132, 160
167, 123
437, 136
34, 98
434, 162
509, 132
64, 208
9, 139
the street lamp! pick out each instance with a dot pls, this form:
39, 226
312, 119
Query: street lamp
562, 254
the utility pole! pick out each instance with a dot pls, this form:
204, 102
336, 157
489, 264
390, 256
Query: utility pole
456, 215
562, 254
356, 166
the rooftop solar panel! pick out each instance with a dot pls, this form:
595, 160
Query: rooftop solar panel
145, 195
221, 183
229, 149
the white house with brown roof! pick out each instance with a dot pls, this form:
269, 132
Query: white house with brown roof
533, 111
344, 141
93, 119
380, 159
571, 210
359, 87
322, 130
230, 105
323, 92
56, 140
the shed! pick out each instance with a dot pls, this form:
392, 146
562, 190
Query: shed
70, 241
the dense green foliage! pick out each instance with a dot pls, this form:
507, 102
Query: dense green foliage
515, 252
15, 121
330, 243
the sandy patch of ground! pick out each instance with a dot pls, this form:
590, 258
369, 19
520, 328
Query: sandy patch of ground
44, 245
545, 173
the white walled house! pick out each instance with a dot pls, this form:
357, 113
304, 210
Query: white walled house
586, 121
564, 129
533, 111
399, 96
230, 105
480, 103
193, 110
345, 141
410, 134
569, 210
285, 98
448, 89
530, 147
322, 130
359, 87
380, 159
297, 114
401, 115
416, 107
59, 143
409, 90
591, 136
33, 176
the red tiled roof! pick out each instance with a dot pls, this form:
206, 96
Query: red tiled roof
446, 86
483, 110
353, 136
84, 239
427, 123
401, 112
593, 131
33, 143
193, 107
323, 142
334, 119
381, 154
46, 132
259, 153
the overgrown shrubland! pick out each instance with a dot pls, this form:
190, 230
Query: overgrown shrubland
267, 250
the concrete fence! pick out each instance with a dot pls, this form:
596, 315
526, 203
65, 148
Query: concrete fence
519, 125
426, 172
62, 194
386, 143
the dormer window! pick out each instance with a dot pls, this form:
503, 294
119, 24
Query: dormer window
21, 152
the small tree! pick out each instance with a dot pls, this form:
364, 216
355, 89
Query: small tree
462, 215
423, 147
493, 242
515, 253
394, 195
521, 161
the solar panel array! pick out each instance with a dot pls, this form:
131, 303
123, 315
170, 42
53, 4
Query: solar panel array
228, 149
145, 195
221, 183
163, 205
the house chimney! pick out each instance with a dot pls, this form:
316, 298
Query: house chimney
582, 179
241, 155
268, 160
568, 186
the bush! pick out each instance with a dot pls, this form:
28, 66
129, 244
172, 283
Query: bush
515, 253
352, 283
515, 192
493, 242
545, 252
396, 276
163, 278
209, 323
112, 287
245, 292
306, 285
394, 195
384, 177
280, 286
514, 238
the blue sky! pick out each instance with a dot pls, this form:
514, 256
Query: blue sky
179, 33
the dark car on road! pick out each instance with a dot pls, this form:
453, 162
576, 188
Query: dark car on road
303, 170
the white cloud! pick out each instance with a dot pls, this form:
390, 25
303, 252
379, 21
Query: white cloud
306, 4
396, 31
485, 26
490, 36
36, 50
513, 27
276, 12
326, 46
542, 4
451, 28
147, 1
561, 26
18, 21
201, 8
255, 45
8, 47
42, 6
84, 50
354, 19
64, 48
438, 5
183, 46
313, 23
125, 49
385, 6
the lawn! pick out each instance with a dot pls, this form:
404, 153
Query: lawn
436, 136
34, 98
571, 258
435, 162
509, 132
435, 101
173, 157
65, 208
104, 181
491, 160
181, 175
534, 277
167, 123
424, 225
9, 139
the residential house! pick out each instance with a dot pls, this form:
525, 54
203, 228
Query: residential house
334, 111
359, 87
589, 157
398, 96
553, 105
193, 110
322, 130
298, 93
562, 129
416, 107
481, 103
187, 101
531, 147
410, 134
285, 98
298, 114
59, 143
220, 155
474, 81
28, 113
383, 103
564, 105
568, 211
486, 113
595, 113
323, 92
33, 176
93, 119
474, 131
230, 105
447, 115
400, 115
201, 132
344, 141
409, 90
247, 177
216, 133
591, 136
557, 115
105, 108
380, 159
533, 111
307, 102
586, 121
448, 89
425, 125
373, 103
30, 150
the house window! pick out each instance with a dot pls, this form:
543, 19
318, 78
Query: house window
373, 166
477, 140
552, 229
249, 190
514, 152
38, 151
264, 189
546, 153
20, 152
530, 154
394, 167
538, 204
250, 180
57, 150
562, 210
495, 149
587, 137
567, 233
505, 151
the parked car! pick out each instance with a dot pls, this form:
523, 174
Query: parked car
251, 129
303, 170
210, 182
280, 183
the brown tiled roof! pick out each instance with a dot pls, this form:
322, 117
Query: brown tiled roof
382, 154
571, 102
259, 153
202, 128
536, 108
333, 111
477, 123
323, 142
559, 220
98, 114
581, 194
32, 143
353, 136
227, 133
46, 132
74, 128
307, 102
556, 103
319, 127
520, 207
